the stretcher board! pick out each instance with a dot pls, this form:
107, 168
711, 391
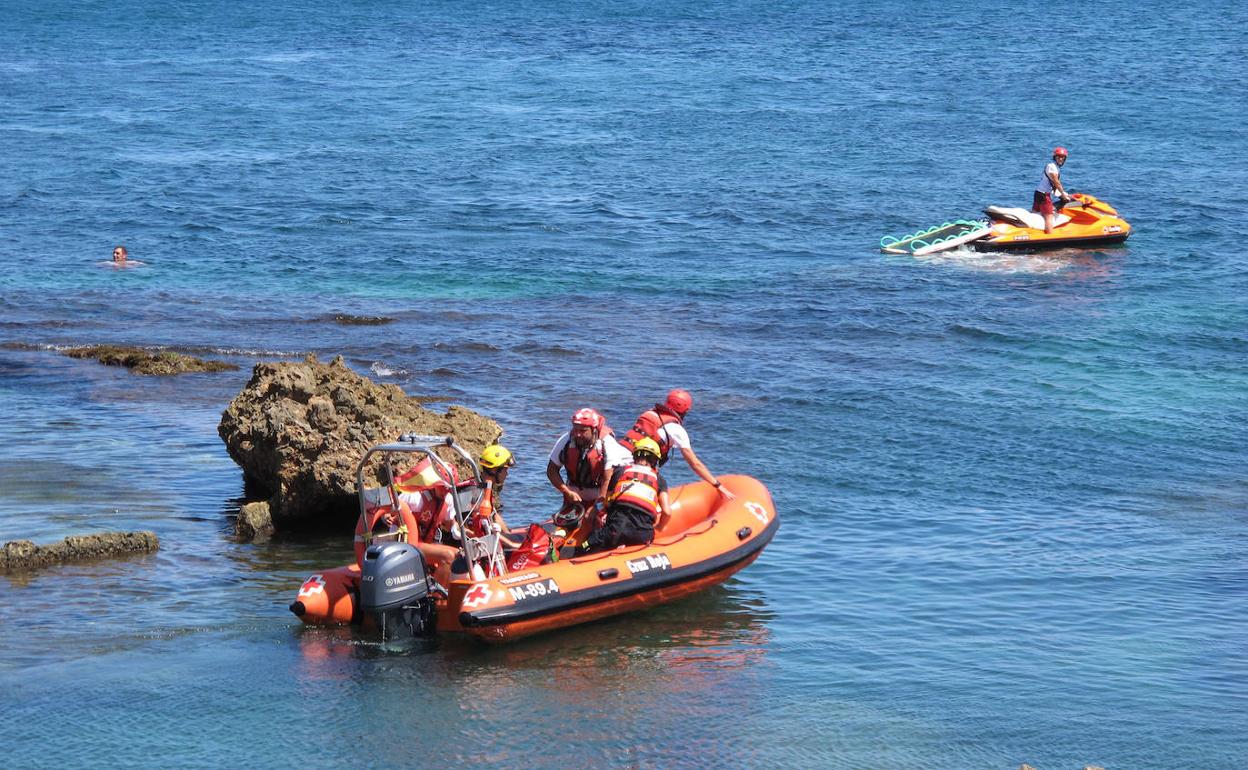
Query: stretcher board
953, 243
947, 236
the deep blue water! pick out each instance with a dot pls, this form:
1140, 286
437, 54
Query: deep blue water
1013, 486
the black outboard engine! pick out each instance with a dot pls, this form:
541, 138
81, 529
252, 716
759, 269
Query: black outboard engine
397, 591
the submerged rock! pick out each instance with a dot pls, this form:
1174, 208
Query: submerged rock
24, 555
298, 429
139, 361
362, 320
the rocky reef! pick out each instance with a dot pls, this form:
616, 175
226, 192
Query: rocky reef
298, 430
24, 555
140, 361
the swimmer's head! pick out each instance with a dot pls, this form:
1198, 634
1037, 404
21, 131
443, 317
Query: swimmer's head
119, 254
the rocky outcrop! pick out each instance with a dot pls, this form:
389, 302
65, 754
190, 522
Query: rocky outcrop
299, 429
24, 555
254, 521
139, 361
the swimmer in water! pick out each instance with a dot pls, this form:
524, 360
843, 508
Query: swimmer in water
121, 258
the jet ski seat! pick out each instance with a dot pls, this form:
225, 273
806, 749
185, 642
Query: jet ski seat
1022, 217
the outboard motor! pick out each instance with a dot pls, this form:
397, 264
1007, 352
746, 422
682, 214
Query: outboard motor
396, 590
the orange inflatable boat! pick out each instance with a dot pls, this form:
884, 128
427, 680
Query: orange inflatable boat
394, 584
1088, 221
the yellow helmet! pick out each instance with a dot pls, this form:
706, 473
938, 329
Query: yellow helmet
496, 456
647, 446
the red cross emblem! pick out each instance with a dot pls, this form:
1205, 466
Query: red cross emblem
477, 595
313, 585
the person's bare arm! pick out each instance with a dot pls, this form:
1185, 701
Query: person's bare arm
569, 494
699, 468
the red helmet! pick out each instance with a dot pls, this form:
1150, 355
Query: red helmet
588, 417
679, 401
1060, 151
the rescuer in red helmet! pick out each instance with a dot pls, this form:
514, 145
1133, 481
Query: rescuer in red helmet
588, 453
665, 424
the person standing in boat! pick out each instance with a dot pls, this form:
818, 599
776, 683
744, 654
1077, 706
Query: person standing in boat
496, 460
587, 453
664, 424
1050, 185
636, 504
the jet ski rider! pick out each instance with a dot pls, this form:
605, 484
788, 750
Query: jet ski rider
1050, 184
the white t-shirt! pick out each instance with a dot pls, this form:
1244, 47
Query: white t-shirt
676, 434
614, 454
1046, 184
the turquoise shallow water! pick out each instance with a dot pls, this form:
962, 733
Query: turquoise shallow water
1012, 485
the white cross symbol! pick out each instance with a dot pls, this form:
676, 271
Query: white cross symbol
313, 585
759, 511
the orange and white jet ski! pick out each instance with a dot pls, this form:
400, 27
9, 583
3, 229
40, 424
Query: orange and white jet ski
1086, 221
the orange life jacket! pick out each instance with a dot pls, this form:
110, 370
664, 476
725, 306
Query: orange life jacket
647, 426
479, 524
585, 469
438, 557
637, 486
370, 523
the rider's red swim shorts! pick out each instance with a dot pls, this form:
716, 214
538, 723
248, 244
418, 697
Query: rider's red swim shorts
1042, 203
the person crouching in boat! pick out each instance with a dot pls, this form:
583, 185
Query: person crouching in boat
587, 453
636, 503
1050, 184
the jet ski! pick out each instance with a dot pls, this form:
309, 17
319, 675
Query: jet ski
1083, 221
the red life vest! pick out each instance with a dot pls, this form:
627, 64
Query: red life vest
647, 426
585, 469
433, 510
638, 486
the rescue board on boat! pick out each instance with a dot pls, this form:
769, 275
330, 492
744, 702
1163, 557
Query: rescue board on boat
950, 235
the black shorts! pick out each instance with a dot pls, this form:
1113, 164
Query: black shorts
625, 525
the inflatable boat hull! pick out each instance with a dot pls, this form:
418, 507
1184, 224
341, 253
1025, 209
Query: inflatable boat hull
706, 542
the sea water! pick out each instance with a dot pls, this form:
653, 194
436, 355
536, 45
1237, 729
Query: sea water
1012, 486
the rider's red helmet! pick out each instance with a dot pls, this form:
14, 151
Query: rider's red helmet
679, 401
587, 417
1060, 151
